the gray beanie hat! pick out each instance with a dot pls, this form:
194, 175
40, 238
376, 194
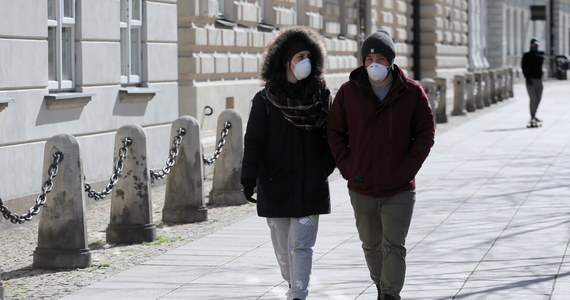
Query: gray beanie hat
379, 42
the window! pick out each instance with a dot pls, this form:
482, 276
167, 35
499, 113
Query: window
61, 48
216, 8
131, 41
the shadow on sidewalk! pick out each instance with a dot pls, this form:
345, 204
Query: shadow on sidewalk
516, 286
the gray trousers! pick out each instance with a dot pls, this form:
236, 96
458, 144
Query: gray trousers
293, 240
383, 224
535, 94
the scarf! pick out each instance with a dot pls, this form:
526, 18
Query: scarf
308, 113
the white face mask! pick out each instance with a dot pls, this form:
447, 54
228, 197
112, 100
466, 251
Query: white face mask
302, 69
377, 72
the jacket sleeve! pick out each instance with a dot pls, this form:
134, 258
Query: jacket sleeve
524, 66
423, 130
254, 140
337, 132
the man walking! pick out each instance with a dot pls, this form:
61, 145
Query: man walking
532, 70
380, 131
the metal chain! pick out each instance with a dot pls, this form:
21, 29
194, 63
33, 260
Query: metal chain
171, 158
221, 143
123, 152
41, 200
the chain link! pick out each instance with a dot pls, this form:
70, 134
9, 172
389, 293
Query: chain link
41, 200
221, 143
123, 152
171, 158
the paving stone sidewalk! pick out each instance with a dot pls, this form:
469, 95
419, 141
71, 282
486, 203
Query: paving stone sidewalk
491, 221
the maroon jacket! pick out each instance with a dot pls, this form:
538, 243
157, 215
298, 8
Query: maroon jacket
379, 146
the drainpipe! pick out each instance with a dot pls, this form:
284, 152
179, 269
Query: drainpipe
363, 8
417, 41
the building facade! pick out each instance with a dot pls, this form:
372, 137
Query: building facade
221, 43
86, 68
512, 23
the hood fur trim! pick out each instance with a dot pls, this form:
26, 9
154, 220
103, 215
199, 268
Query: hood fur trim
274, 52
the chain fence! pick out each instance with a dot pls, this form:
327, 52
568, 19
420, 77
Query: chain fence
158, 175
118, 168
123, 152
225, 131
41, 200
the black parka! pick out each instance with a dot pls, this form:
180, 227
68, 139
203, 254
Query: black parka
288, 164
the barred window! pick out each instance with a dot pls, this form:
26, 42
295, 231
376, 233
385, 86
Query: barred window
131, 41
61, 44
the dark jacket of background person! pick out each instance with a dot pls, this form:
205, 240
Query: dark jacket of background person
289, 165
388, 141
532, 64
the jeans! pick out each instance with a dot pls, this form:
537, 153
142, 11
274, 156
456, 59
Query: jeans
293, 240
383, 224
535, 94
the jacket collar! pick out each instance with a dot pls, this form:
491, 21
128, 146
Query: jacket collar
359, 77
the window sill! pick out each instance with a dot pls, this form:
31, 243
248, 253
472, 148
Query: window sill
4, 102
136, 94
67, 100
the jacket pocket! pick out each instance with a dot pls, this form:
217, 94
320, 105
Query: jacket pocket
401, 173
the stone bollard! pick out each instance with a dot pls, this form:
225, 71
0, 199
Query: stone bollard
479, 86
431, 90
499, 85
506, 83
1, 286
441, 110
62, 231
470, 92
510, 74
184, 201
493, 86
459, 96
503, 89
487, 88
226, 186
131, 207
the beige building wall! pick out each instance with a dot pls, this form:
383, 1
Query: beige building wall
221, 46
444, 41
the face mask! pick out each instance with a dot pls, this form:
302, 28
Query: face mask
302, 69
377, 72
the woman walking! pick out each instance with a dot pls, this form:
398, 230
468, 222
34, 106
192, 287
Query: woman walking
286, 154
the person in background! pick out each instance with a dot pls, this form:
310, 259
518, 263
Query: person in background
531, 64
286, 155
380, 131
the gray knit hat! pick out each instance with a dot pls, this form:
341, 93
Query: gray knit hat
379, 42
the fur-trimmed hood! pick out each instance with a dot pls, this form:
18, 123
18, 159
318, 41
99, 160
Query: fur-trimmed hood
274, 52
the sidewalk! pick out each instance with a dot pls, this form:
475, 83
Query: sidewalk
492, 221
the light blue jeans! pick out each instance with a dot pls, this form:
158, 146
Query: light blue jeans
293, 240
